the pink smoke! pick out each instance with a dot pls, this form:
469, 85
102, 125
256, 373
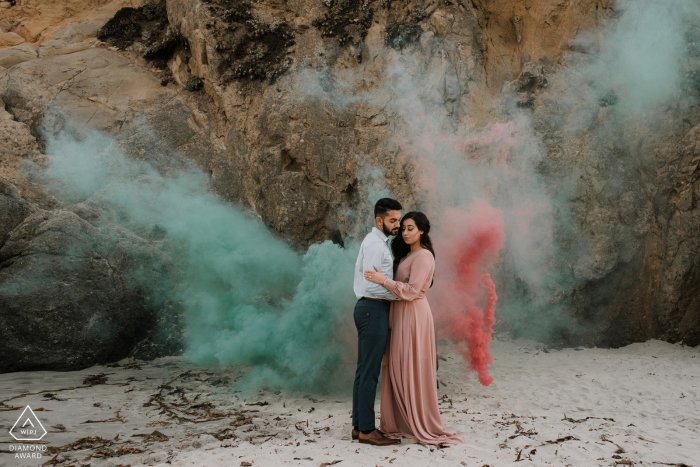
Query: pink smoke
464, 296
468, 239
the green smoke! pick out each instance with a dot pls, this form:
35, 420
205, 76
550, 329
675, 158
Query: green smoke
247, 297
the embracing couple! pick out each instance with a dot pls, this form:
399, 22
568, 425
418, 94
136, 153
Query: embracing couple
390, 290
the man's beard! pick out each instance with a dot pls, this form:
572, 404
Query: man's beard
387, 231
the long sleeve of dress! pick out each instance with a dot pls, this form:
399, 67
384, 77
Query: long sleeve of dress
421, 268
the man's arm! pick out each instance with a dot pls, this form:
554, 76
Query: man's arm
374, 255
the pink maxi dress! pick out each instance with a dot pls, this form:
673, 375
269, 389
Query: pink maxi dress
409, 403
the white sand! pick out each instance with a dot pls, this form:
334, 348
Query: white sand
639, 403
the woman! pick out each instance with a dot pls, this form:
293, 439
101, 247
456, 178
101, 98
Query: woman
409, 404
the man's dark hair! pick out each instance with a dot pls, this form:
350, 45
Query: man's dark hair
384, 205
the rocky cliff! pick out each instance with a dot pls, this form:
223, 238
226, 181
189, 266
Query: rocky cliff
302, 110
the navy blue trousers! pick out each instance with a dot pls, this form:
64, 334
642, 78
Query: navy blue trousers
372, 323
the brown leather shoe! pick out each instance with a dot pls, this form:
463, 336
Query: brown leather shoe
356, 433
375, 438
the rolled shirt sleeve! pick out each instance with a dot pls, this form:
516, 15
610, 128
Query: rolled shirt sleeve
377, 254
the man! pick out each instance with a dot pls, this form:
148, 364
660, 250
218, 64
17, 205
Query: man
372, 320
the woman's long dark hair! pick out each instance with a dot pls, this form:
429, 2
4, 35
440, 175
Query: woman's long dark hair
400, 248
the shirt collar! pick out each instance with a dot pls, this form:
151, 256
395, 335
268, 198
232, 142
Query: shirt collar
380, 234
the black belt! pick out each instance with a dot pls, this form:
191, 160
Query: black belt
376, 299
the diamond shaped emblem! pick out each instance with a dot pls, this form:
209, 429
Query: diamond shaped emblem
28, 427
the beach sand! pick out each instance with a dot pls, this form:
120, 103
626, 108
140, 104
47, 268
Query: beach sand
636, 405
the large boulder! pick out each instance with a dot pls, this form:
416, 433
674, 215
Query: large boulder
68, 299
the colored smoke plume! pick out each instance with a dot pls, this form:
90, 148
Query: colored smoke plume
464, 296
245, 296
478, 186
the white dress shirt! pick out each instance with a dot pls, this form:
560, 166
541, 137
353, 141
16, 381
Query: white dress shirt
374, 251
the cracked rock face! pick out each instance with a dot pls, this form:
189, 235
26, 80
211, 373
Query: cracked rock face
239, 92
